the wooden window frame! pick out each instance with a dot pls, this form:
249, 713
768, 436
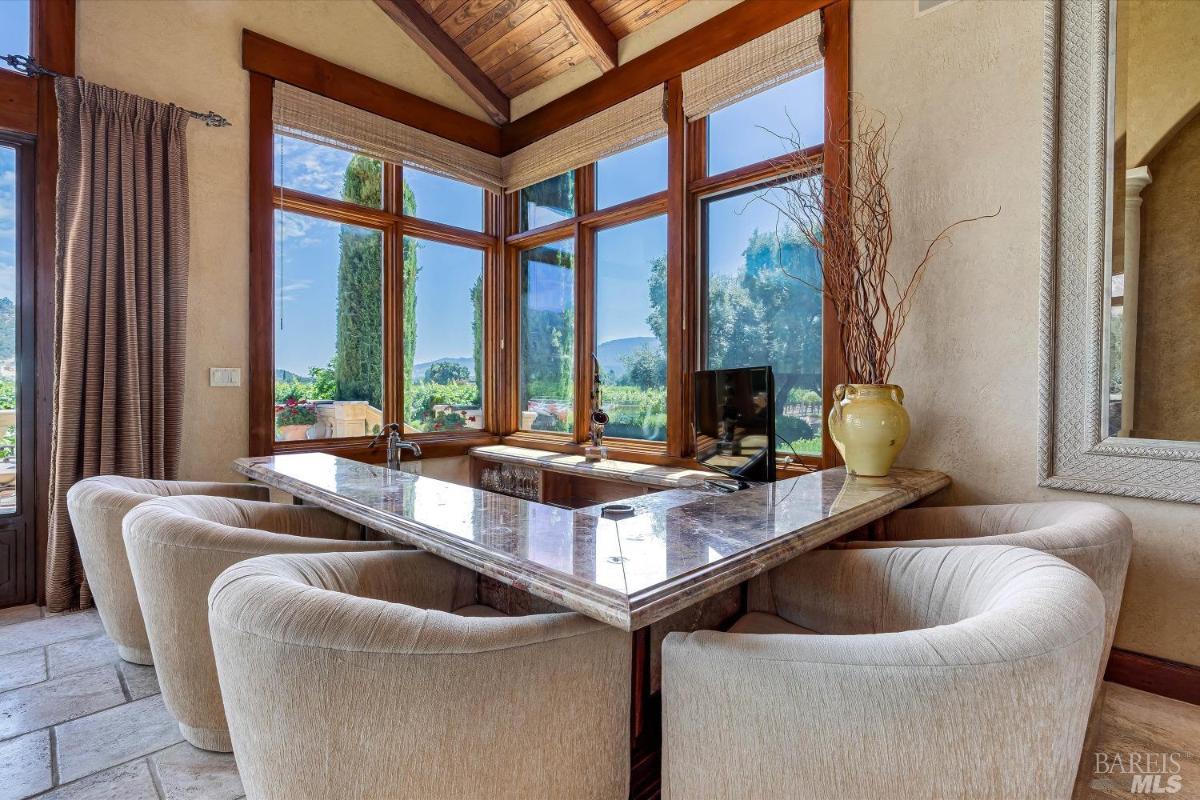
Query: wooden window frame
687, 185
394, 226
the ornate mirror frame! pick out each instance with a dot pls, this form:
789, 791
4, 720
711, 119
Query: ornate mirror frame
1073, 452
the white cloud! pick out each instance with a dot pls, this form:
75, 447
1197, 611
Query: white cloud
311, 167
290, 291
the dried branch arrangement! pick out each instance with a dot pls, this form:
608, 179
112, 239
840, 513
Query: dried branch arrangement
848, 220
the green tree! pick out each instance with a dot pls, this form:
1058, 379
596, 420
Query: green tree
358, 365
548, 335
8, 329
409, 277
447, 372
767, 313
477, 331
645, 368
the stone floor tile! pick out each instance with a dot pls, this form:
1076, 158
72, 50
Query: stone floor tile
188, 773
1139, 722
58, 700
13, 614
22, 669
141, 681
77, 655
25, 765
111, 737
54, 628
127, 782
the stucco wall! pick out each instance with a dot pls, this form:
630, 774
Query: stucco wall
189, 52
1162, 63
1167, 391
967, 81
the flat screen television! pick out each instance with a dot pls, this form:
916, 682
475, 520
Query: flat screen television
735, 422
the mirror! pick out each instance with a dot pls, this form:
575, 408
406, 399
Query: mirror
1119, 333
1153, 286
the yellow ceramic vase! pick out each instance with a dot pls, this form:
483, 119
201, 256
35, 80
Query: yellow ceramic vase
869, 425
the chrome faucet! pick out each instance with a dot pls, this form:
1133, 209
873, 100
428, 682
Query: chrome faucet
395, 443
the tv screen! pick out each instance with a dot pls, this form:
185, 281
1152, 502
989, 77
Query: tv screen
735, 422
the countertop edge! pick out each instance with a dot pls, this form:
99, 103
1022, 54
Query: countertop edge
614, 610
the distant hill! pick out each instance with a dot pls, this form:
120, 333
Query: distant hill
287, 376
418, 373
611, 352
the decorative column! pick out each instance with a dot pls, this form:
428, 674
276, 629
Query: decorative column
1136, 180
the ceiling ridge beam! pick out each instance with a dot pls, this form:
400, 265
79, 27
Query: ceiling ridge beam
438, 45
585, 24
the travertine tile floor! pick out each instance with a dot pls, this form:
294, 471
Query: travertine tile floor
77, 723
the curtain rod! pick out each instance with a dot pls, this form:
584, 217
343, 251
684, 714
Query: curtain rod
27, 66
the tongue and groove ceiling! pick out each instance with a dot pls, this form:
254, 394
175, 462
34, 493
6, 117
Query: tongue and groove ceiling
497, 49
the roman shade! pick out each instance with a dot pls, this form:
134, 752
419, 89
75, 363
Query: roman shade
785, 53
316, 119
620, 127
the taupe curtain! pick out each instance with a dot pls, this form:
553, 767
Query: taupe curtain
122, 265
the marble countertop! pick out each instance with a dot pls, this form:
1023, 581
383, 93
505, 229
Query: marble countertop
681, 546
608, 469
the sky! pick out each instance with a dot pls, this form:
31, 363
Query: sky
14, 28
623, 258
8, 221
307, 258
307, 261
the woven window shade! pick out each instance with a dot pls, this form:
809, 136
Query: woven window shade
774, 58
317, 119
621, 127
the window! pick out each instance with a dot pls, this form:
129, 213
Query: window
608, 259
634, 173
328, 329
768, 125
443, 336
547, 390
8, 329
631, 327
377, 316
762, 305
14, 29
552, 200
328, 172
445, 200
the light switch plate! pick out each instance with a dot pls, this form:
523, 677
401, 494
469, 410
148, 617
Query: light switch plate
225, 376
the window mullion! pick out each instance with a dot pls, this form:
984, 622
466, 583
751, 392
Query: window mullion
585, 325
393, 322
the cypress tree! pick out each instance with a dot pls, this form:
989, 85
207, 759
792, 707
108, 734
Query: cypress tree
358, 365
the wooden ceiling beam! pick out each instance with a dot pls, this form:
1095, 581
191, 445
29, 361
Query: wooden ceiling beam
439, 45
314, 74
743, 22
584, 23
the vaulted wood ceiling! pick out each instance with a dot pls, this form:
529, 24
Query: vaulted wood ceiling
497, 49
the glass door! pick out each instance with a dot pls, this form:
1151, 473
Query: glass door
17, 564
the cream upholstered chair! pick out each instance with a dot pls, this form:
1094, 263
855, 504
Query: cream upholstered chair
97, 506
177, 547
960, 672
372, 675
1093, 537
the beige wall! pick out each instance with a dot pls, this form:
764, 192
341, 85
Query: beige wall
1167, 391
967, 81
1161, 63
189, 52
